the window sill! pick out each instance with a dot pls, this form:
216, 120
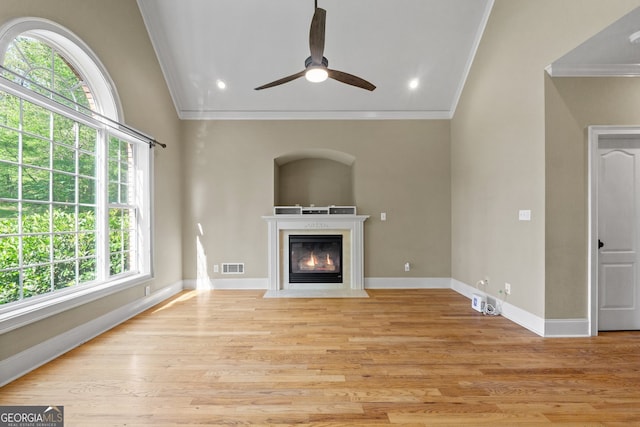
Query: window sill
25, 313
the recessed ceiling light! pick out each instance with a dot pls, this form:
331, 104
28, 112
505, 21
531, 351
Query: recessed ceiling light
221, 84
414, 83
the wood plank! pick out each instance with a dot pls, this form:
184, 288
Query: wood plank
410, 357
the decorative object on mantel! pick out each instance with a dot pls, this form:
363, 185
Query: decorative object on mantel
314, 210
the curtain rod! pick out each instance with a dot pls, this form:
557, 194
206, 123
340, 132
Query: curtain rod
152, 142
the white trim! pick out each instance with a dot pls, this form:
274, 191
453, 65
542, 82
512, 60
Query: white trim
231, 284
593, 70
471, 58
21, 363
22, 313
314, 115
566, 328
517, 315
407, 283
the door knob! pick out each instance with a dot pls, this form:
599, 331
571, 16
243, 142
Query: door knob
600, 244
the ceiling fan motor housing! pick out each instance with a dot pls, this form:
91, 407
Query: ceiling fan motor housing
309, 62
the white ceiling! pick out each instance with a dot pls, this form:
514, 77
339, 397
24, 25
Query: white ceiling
247, 43
608, 53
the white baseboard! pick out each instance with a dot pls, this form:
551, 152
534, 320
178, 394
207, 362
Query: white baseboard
36, 356
517, 315
567, 328
407, 283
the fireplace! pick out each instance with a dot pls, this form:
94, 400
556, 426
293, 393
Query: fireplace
315, 258
332, 222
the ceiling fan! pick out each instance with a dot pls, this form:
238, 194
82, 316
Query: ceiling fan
317, 66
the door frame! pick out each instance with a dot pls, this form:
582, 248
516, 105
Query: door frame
595, 134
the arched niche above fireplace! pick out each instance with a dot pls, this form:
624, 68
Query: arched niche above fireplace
314, 177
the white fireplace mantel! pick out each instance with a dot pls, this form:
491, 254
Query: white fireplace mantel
352, 225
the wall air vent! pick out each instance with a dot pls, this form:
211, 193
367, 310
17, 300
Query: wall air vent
232, 268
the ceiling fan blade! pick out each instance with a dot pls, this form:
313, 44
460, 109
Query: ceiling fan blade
350, 79
282, 80
316, 35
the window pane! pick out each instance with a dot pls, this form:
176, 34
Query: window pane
35, 151
8, 181
9, 110
114, 195
64, 158
86, 190
9, 286
64, 188
115, 241
87, 163
35, 218
64, 130
87, 138
35, 184
9, 140
36, 249
64, 274
114, 147
8, 218
115, 265
86, 218
36, 280
64, 246
40, 76
87, 271
124, 194
36, 119
64, 218
86, 245
114, 171
9, 255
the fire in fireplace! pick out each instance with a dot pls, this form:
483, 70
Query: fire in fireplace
315, 258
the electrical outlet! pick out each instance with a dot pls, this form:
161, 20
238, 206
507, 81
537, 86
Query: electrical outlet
147, 291
507, 288
216, 269
407, 267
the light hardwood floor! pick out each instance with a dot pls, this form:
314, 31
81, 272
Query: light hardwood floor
411, 357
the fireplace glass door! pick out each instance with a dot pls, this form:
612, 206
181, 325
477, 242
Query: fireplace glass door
315, 258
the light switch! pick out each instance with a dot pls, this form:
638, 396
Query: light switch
524, 215
383, 216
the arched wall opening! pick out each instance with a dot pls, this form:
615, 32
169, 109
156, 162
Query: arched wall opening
315, 177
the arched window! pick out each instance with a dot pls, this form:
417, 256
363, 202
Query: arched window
74, 188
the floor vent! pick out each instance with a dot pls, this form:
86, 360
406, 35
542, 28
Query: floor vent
232, 268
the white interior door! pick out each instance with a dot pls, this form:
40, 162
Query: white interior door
618, 234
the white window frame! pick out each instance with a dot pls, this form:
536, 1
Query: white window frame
21, 313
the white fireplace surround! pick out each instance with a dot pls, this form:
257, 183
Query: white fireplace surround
352, 229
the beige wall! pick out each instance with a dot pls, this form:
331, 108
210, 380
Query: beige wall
573, 104
498, 142
114, 30
401, 168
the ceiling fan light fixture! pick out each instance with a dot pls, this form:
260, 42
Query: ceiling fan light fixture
316, 74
